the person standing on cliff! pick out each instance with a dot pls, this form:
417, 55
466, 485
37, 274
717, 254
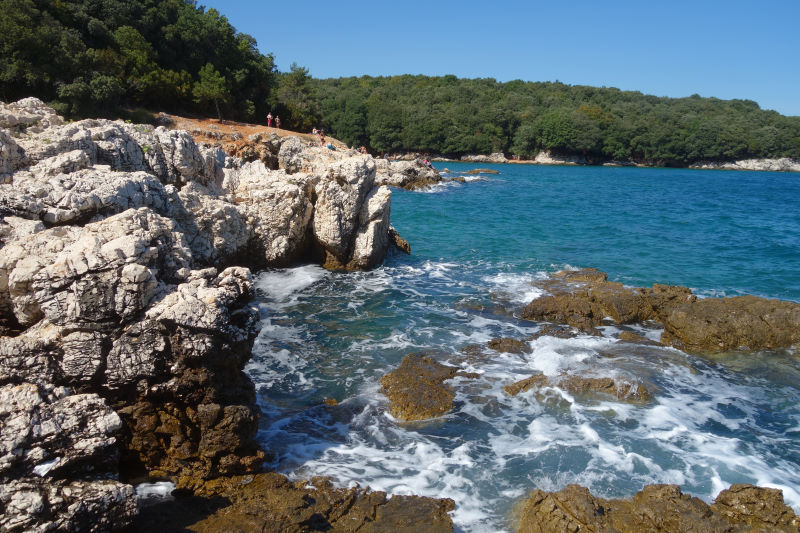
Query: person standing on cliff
269, 119
277, 121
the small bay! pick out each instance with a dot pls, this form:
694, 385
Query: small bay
477, 247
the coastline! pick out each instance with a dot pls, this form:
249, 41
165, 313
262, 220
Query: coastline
143, 344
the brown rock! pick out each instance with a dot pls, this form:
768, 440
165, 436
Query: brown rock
416, 390
574, 384
271, 503
657, 508
398, 242
629, 336
509, 345
553, 330
720, 324
583, 298
758, 507
482, 171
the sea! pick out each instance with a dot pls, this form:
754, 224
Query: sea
478, 249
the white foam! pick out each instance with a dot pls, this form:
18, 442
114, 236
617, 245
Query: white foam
280, 285
157, 492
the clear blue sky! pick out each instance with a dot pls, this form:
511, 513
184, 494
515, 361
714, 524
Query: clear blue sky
727, 49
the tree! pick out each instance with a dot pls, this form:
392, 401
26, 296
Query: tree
300, 110
211, 87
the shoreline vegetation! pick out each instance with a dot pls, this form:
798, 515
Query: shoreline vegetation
89, 59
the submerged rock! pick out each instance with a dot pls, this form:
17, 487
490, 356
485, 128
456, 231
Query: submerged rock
622, 389
658, 508
722, 324
271, 503
584, 299
509, 345
416, 389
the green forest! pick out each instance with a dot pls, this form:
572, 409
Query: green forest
130, 58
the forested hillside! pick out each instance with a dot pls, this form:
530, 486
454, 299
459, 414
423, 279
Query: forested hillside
100, 57
452, 116
90, 57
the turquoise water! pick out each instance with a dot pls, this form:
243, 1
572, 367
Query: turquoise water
477, 247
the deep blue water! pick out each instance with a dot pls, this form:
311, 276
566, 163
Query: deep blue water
477, 247
721, 232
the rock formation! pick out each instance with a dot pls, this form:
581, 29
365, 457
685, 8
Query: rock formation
621, 388
548, 158
658, 508
497, 157
409, 175
124, 302
271, 503
784, 164
583, 299
416, 389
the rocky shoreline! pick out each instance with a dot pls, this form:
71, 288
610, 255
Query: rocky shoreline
125, 290
126, 322
547, 158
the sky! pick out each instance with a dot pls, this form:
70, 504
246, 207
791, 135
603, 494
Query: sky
725, 49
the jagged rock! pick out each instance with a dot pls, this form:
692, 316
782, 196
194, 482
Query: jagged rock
721, 324
110, 303
92, 277
657, 508
218, 231
12, 157
14, 228
622, 389
407, 175
29, 114
397, 241
583, 299
77, 196
416, 389
36, 505
372, 237
46, 431
277, 209
182, 158
271, 503
341, 194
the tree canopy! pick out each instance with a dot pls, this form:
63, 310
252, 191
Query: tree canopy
95, 57
452, 116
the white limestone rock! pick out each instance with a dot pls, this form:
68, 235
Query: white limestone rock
547, 158
784, 164
410, 174
92, 277
12, 157
340, 196
45, 424
496, 157
29, 114
372, 238
276, 207
34, 505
